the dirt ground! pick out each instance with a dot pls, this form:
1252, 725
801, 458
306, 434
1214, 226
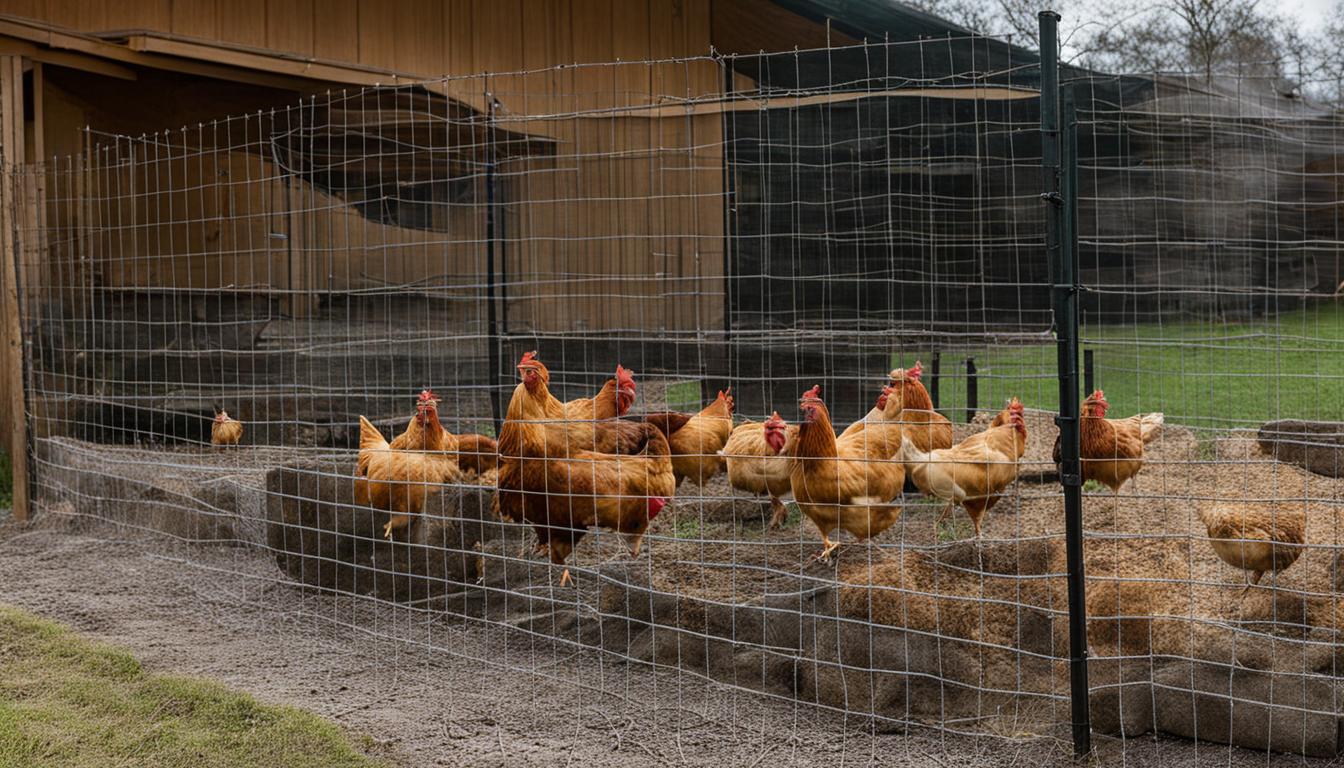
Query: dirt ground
502, 696
217, 612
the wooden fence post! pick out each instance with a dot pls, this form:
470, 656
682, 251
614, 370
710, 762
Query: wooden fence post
11, 181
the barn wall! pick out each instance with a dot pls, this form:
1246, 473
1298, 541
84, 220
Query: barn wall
430, 38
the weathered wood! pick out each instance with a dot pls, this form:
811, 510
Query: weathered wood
12, 152
1317, 446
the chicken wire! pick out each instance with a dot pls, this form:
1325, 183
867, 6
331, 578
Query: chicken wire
765, 223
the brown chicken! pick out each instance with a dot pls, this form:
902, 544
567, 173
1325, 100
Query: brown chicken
757, 458
225, 430
697, 440
399, 481
1112, 449
476, 455
928, 429
575, 426
973, 473
614, 399
1257, 537
563, 496
845, 482
418, 436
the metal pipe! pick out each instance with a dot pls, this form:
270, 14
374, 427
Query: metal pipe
490, 311
1061, 193
972, 390
1089, 372
934, 365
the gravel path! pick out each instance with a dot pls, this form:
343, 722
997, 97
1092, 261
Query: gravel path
219, 612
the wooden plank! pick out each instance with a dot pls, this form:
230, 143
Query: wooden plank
195, 18
377, 34
630, 45
289, 26
336, 31
594, 87
419, 25
242, 22
11, 145
747, 104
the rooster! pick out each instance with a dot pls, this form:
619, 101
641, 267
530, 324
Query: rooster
1256, 537
973, 473
697, 440
1112, 449
845, 482
225, 430
757, 460
399, 481
562, 496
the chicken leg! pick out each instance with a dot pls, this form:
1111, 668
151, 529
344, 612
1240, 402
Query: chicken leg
565, 578
396, 521
1255, 579
778, 513
947, 510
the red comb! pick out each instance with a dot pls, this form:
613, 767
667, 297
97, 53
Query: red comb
814, 393
624, 374
426, 396
528, 357
914, 371
1097, 394
1015, 405
775, 419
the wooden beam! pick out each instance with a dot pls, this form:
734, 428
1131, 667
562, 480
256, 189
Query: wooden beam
267, 61
749, 104
12, 150
13, 46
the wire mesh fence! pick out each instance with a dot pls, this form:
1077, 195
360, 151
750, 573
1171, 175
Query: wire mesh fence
735, 231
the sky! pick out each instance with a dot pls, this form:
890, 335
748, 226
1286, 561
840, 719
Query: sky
1308, 12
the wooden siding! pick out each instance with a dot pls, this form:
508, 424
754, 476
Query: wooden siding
431, 38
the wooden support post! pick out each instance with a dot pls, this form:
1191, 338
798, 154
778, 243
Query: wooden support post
11, 249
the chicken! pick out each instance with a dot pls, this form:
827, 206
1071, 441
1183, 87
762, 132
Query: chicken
574, 426
399, 481
1260, 538
418, 436
562, 496
697, 440
973, 473
476, 455
1112, 449
225, 430
614, 399
928, 429
844, 482
756, 456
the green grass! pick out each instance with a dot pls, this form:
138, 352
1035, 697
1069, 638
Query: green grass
66, 702
683, 396
1202, 374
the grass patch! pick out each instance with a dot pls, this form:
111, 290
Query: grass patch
66, 702
1204, 374
683, 396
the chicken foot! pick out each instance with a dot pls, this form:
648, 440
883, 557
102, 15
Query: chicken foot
825, 554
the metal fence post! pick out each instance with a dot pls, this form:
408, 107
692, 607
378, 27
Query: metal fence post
1061, 193
972, 390
490, 310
